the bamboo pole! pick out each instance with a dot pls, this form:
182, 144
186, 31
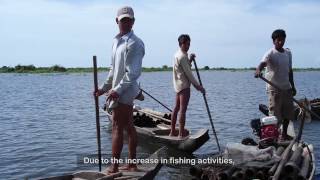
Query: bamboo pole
284, 159
207, 106
304, 167
293, 165
225, 175
96, 100
156, 100
274, 167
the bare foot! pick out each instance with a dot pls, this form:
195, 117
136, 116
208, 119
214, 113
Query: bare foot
183, 134
181, 137
111, 170
129, 167
133, 167
173, 133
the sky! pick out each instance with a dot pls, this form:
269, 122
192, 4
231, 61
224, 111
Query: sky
233, 33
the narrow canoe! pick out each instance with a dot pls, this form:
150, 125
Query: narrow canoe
153, 126
145, 171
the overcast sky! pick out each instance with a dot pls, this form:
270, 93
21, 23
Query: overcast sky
234, 33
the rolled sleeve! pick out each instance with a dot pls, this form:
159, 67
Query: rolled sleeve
108, 83
133, 63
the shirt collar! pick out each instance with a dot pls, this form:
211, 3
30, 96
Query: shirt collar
124, 37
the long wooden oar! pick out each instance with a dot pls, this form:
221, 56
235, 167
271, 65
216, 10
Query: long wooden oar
96, 100
156, 100
206, 102
296, 101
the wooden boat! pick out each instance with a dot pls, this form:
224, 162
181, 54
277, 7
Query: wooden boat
288, 167
291, 160
145, 171
313, 105
155, 127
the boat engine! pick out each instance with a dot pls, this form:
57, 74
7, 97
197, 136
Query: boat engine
269, 130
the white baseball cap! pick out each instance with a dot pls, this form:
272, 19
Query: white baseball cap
125, 11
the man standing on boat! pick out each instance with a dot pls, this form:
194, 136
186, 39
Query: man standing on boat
121, 85
278, 63
182, 79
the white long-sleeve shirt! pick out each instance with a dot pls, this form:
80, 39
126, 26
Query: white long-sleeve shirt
127, 54
182, 74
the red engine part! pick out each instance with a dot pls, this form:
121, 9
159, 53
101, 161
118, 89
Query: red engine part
269, 131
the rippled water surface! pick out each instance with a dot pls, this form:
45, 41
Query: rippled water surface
48, 120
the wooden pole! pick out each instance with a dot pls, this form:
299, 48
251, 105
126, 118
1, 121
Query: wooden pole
207, 106
156, 100
304, 167
225, 175
296, 101
274, 167
284, 158
292, 166
96, 100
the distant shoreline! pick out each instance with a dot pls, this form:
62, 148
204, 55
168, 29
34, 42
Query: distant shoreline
60, 69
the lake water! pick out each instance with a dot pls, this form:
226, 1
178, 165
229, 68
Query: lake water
48, 120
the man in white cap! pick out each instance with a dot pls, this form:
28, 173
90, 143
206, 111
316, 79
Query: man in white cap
121, 85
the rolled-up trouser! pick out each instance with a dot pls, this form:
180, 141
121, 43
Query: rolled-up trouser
281, 105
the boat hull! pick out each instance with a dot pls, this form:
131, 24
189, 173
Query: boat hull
146, 171
155, 129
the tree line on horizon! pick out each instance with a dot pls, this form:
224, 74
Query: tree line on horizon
52, 69
60, 69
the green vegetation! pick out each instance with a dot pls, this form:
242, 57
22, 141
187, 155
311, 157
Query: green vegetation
53, 69
153, 69
60, 69
206, 68
306, 69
